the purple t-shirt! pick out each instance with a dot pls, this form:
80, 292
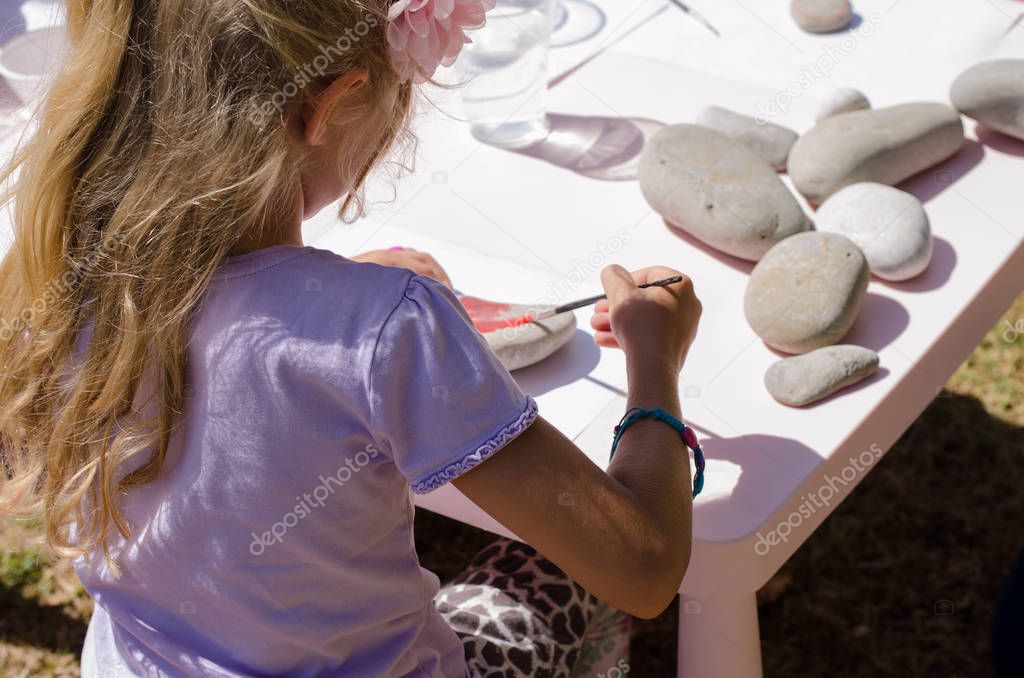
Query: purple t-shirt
279, 538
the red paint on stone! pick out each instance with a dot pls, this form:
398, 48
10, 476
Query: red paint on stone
491, 316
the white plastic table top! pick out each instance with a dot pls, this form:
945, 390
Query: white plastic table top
510, 212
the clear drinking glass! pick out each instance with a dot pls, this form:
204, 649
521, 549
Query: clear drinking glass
505, 72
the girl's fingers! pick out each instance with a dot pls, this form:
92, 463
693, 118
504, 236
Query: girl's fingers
605, 340
438, 274
603, 306
601, 322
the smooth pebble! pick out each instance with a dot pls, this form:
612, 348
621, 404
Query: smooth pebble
806, 292
821, 16
701, 182
841, 100
766, 140
884, 146
888, 224
808, 378
992, 93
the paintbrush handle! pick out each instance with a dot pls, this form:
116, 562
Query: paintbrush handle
573, 305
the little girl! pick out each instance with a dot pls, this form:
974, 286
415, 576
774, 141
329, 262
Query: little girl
225, 427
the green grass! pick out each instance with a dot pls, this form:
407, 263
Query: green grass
21, 568
939, 519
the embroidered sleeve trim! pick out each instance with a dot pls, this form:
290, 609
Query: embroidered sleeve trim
492, 445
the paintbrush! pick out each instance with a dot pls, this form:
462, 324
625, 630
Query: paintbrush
490, 316
696, 15
590, 301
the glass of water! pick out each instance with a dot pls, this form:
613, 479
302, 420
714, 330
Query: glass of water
504, 73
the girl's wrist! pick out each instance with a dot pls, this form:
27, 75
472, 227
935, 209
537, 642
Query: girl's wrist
653, 385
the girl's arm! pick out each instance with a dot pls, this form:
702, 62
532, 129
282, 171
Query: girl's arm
623, 535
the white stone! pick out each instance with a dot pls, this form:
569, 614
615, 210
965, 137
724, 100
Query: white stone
841, 100
821, 16
992, 93
766, 140
718, 191
888, 224
808, 378
885, 146
806, 292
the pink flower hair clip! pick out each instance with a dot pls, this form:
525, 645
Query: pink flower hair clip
425, 34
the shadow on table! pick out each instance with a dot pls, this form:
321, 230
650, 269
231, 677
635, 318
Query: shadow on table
573, 361
881, 322
735, 263
597, 147
753, 472
998, 141
939, 271
934, 180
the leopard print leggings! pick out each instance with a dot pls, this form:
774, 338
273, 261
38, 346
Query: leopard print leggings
518, 615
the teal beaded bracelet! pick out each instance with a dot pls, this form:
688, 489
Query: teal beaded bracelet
689, 438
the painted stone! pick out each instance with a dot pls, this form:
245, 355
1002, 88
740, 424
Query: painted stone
517, 341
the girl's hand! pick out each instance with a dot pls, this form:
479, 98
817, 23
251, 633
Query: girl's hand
654, 326
414, 260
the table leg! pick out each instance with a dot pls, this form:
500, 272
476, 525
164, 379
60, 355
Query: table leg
719, 637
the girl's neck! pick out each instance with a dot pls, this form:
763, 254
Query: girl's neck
278, 229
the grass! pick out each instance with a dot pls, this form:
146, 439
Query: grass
934, 529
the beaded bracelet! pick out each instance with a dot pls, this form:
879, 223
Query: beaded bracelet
689, 438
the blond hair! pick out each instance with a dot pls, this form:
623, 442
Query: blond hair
156, 152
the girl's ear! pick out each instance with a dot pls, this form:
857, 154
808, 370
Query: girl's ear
317, 111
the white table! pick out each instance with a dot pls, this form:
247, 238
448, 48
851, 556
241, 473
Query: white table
518, 228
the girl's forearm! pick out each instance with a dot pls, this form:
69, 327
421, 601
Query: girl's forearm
653, 463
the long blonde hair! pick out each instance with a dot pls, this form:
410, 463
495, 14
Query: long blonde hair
160, 145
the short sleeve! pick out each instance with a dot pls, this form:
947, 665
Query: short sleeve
440, 401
